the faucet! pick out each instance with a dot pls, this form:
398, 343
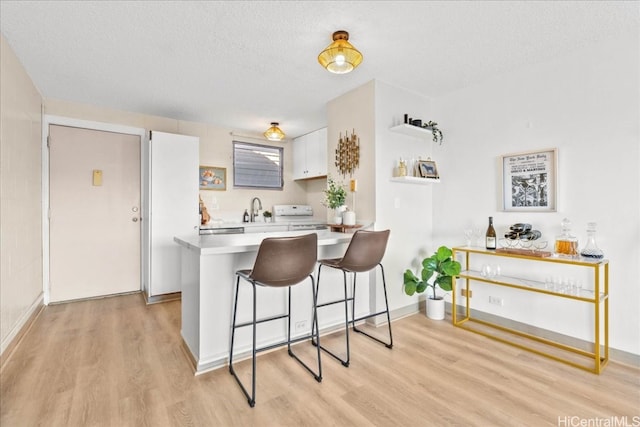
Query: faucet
254, 212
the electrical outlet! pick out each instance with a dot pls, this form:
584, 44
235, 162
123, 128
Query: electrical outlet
463, 292
301, 326
496, 300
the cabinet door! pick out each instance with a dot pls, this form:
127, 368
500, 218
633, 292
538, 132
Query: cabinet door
173, 209
317, 160
300, 157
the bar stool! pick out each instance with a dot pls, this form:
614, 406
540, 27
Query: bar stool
364, 253
280, 262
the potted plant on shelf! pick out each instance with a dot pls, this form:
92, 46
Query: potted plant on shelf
334, 197
444, 268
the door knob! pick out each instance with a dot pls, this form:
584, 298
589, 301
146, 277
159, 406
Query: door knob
134, 219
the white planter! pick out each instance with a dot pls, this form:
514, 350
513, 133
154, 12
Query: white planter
349, 218
435, 308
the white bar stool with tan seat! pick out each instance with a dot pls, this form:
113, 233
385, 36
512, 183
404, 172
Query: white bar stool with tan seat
280, 262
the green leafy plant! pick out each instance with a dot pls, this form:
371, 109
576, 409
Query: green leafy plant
335, 195
266, 214
440, 264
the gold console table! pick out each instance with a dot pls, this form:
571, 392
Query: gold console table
597, 358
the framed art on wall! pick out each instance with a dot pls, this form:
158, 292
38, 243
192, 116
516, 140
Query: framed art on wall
529, 181
427, 169
213, 178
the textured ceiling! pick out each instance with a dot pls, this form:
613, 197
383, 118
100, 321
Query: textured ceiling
242, 64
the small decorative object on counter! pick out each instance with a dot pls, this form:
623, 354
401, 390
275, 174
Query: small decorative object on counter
490, 237
335, 195
591, 250
566, 244
204, 214
267, 216
348, 217
245, 216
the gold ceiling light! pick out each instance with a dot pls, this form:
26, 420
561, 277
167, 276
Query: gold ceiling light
340, 57
274, 133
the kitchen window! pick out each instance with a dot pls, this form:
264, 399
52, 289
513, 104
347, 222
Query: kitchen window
257, 166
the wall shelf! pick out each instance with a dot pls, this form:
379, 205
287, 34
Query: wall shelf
414, 131
415, 180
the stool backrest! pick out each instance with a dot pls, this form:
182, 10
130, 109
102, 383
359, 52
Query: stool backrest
285, 261
365, 250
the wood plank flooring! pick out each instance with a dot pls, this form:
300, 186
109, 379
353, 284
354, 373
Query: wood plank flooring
119, 362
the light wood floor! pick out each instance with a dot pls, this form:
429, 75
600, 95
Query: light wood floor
119, 362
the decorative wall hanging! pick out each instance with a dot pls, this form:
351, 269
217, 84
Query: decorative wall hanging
348, 154
213, 178
529, 181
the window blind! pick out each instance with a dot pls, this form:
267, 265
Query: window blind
257, 166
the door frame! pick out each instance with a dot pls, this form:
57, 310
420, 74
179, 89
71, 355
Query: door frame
46, 206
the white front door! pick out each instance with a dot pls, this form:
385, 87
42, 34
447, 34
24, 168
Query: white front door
94, 232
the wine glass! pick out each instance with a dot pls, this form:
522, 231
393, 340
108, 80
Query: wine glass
538, 245
468, 234
477, 233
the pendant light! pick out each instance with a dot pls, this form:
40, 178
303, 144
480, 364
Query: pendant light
274, 133
340, 57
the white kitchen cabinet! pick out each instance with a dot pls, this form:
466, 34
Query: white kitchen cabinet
310, 155
172, 207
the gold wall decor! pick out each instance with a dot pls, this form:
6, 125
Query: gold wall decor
348, 153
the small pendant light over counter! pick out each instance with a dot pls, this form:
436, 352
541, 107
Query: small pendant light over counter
274, 133
340, 57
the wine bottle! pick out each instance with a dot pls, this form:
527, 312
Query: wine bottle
491, 235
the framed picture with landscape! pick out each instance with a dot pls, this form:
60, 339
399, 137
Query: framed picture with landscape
213, 178
529, 181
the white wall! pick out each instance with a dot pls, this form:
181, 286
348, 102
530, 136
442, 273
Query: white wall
404, 208
20, 196
586, 104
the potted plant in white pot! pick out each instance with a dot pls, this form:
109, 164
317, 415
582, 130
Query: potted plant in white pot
335, 195
438, 270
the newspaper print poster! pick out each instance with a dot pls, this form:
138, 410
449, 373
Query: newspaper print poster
529, 181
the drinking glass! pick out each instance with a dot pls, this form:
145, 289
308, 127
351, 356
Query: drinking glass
468, 234
478, 235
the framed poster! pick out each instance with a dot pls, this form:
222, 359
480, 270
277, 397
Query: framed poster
529, 181
428, 169
213, 178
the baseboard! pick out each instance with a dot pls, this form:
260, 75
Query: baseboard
13, 339
162, 298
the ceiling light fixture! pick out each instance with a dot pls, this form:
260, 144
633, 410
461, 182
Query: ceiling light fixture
340, 57
274, 133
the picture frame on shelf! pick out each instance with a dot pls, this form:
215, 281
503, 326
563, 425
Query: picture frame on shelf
428, 169
212, 178
529, 181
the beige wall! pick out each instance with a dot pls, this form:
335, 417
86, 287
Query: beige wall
20, 196
215, 150
354, 111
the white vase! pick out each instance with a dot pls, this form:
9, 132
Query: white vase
349, 218
337, 214
435, 308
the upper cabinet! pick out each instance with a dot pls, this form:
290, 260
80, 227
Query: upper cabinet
310, 155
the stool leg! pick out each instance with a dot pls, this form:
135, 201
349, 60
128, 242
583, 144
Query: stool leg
233, 326
386, 303
346, 319
314, 321
317, 328
251, 399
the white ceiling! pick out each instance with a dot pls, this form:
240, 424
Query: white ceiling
243, 64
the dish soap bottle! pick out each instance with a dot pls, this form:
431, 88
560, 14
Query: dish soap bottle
566, 244
591, 250
245, 217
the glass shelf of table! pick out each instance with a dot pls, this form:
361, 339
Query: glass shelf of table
533, 286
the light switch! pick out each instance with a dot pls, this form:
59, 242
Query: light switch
97, 177
354, 185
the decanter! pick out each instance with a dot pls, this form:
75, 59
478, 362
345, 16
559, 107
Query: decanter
591, 250
566, 244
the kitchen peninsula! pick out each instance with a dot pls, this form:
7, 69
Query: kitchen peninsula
208, 265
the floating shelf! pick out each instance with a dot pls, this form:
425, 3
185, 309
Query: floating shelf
415, 131
415, 180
